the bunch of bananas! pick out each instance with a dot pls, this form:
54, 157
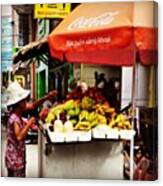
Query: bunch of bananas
69, 105
101, 119
84, 115
50, 118
57, 109
103, 109
87, 103
54, 113
89, 120
83, 125
92, 116
120, 122
74, 112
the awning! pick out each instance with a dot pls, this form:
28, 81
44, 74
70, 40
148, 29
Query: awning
35, 51
107, 33
31, 50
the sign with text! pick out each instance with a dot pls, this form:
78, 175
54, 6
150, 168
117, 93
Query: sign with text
6, 29
59, 10
6, 65
20, 79
6, 43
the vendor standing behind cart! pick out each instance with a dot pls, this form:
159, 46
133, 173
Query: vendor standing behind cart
17, 129
110, 89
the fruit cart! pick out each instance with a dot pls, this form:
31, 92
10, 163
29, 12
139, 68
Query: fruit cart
113, 34
84, 131
110, 35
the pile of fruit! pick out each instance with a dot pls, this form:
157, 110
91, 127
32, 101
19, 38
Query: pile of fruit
85, 113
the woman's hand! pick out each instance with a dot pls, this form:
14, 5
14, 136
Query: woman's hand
51, 94
31, 121
21, 133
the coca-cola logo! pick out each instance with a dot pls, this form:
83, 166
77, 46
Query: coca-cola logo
101, 20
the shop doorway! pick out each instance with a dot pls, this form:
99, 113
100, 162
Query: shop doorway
41, 84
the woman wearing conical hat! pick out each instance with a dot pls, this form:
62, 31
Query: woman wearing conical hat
17, 128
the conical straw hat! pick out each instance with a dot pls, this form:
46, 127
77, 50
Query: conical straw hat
15, 93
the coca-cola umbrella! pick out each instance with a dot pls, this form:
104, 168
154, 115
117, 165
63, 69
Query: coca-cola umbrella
107, 33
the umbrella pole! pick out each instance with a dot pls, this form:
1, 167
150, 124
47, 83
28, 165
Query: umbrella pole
133, 118
81, 72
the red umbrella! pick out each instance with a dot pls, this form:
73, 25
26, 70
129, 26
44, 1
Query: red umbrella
107, 33
146, 32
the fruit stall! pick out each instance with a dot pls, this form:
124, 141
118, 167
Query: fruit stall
86, 136
87, 131
82, 136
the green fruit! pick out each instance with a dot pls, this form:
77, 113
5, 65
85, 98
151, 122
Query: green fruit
77, 111
74, 121
69, 105
50, 118
71, 112
57, 109
57, 112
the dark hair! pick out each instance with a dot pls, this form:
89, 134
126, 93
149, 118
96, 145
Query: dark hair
140, 150
14, 106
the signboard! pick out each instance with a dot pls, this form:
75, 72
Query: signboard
59, 10
6, 23
6, 43
20, 79
6, 65
6, 55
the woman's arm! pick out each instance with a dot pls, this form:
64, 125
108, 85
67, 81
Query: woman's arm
34, 105
21, 133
